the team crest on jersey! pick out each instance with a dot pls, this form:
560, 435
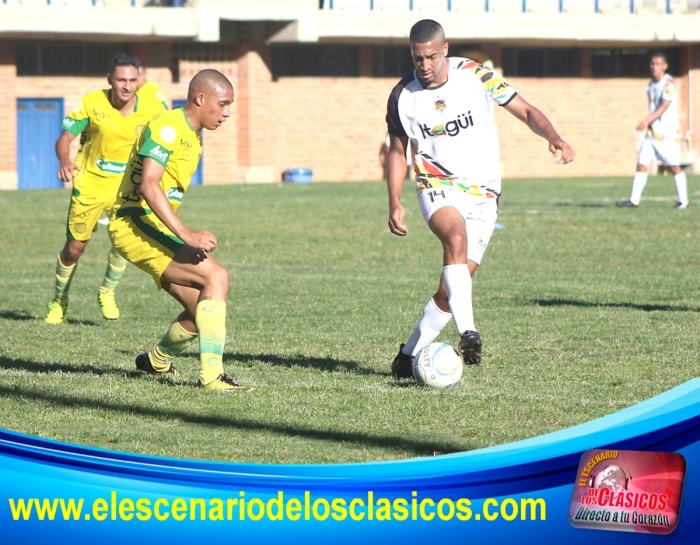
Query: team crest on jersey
99, 116
440, 105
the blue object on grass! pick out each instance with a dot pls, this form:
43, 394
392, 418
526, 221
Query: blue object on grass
298, 175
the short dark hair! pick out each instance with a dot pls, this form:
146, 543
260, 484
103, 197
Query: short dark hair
122, 59
425, 31
659, 55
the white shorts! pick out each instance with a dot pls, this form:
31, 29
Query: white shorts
668, 151
479, 213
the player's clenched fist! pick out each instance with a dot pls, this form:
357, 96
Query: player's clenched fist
202, 239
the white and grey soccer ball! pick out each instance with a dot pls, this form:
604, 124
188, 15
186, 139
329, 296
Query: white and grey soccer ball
438, 365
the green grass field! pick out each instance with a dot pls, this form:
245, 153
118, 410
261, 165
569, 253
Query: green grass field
584, 309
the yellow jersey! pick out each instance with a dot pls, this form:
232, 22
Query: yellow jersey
107, 136
150, 91
170, 140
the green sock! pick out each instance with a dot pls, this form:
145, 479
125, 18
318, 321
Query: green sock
210, 317
173, 343
64, 275
115, 269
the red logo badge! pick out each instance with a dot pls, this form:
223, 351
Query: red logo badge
628, 491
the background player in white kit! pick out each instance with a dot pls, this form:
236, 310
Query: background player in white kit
661, 138
443, 108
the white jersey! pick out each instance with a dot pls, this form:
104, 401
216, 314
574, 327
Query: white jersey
665, 126
451, 127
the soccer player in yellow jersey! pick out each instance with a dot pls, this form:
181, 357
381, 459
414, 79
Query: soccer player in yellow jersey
148, 89
145, 228
109, 122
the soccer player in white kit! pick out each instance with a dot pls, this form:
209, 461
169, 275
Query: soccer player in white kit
661, 138
443, 108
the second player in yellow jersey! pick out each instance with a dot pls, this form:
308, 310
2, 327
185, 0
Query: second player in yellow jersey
108, 122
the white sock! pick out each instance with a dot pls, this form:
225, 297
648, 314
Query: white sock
429, 327
640, 180
458, 282
681, 187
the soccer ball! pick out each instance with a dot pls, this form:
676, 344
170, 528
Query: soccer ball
438, 365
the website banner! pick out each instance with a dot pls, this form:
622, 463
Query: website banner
613, 480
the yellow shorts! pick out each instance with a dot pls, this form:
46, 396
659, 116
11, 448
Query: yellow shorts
86, 206
145, 241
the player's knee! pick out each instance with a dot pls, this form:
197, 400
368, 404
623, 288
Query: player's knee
71, 253
455, 247
220, 278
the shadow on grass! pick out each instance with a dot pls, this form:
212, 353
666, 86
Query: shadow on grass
323, 364
583, 204
19, 316
636, 306
53, 367
74, 321
16, 315
300, 360
396, 443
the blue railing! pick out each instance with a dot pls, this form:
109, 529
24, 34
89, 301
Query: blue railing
525, 5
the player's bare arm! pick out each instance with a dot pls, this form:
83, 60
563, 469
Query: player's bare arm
67, 168
648, 120
395, 176
158, 203
540, 125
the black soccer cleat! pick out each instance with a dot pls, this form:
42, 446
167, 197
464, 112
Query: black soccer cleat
626, 204
402, 366
470, 347
143, 363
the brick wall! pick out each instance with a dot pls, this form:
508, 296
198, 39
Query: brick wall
597, 117
8, 116
220, 160
694, 94
335, 126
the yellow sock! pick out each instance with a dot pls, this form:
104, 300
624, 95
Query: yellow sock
211, 323
173, 343
64, 275
115, 269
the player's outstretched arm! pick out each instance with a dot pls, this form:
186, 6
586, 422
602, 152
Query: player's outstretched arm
160, 206
395, 176
540, 125
67, 168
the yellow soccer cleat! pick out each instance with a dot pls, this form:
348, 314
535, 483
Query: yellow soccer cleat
56, 312
108, 305
224, 383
